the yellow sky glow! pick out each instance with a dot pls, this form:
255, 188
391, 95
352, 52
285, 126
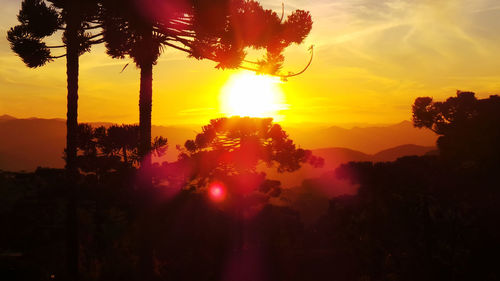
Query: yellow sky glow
372, 59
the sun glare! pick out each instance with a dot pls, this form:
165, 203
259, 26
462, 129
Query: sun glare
248, 94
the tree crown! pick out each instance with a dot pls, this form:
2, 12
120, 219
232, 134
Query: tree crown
40, 19
468, 126
219, 30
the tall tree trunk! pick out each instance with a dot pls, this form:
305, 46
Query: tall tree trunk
72, 47
146, 265
145, 107
145, 104
72, 53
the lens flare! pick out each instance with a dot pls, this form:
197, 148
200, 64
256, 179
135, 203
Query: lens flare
217, 192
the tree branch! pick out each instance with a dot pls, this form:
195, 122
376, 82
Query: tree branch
252, 62
56, 57
53, 47
177, 47
93, 27
303, 70
96, 35
282, 11
99, 41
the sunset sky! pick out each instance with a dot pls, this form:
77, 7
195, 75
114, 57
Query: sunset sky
372, 59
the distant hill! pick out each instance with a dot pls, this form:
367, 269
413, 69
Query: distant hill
369, 140
335, 156
28, 143
6, 117
394, 153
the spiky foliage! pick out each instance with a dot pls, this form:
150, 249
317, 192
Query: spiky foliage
39, 20
236, 145
102, 148
230, 151
205, 29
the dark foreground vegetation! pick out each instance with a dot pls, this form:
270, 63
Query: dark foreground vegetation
418, 218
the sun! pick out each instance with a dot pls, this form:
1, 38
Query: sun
249, 94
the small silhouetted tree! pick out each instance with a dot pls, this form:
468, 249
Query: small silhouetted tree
103, 149
230, 150
468, 127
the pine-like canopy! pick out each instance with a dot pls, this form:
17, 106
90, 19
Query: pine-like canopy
218, 30
39, 19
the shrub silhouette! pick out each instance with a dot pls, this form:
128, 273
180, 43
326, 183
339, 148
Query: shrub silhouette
103, 149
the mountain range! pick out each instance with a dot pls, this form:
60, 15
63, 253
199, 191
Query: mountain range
26, 144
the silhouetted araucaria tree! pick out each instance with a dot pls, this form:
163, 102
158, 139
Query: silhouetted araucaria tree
40, 19
219, 30
102, 149
230, 150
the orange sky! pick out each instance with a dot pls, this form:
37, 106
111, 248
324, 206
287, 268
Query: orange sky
372, 58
